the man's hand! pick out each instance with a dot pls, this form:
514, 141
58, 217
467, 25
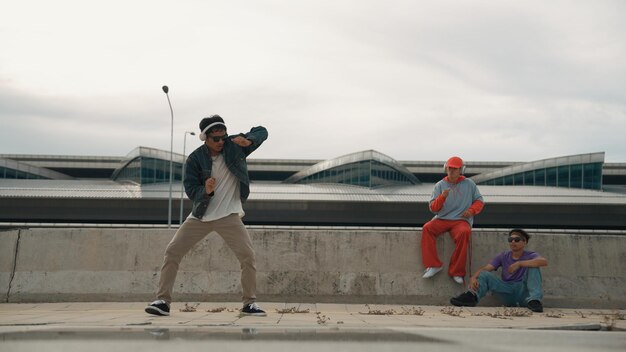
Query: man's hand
474, 283
241, 141
209, 185
513, 268
468, 214
445, 193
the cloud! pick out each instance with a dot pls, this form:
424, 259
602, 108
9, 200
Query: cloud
414, 80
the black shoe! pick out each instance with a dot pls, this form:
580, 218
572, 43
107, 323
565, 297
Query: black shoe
535, 306
158, 307
465, 299
253, 309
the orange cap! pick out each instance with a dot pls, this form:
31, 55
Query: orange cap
455, 162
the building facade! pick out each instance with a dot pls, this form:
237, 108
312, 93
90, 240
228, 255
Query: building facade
365, 188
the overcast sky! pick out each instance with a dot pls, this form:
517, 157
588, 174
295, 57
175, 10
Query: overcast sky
416, 80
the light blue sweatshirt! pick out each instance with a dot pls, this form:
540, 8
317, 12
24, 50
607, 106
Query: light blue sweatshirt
462, 195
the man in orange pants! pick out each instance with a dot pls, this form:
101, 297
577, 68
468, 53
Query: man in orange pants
455, 201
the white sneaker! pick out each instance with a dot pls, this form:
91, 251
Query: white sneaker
430, 272
458, 279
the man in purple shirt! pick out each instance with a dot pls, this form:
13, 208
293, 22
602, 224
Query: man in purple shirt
520, 282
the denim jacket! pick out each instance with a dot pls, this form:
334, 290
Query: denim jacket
199, 165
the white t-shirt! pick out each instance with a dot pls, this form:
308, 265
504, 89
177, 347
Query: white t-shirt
226, 200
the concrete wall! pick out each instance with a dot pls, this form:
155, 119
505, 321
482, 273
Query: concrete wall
293, 265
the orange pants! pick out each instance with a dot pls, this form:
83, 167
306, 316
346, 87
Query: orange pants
460, 231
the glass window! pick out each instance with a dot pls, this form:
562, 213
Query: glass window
148, 172
518, 179
563, 176
366, 173
551, 177
162, 171
576, 176
529, 178
178, 171
592, 176
540, 177
508, 180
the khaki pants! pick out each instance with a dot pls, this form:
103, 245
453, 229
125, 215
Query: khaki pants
234, 233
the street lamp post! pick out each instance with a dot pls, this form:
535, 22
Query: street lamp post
169, 203
182, 177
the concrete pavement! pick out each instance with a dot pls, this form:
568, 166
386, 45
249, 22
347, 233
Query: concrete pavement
306, 327
81, 315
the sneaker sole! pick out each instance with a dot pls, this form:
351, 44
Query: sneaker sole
428, 276
156, 311
255, 314
535, 309
458, 303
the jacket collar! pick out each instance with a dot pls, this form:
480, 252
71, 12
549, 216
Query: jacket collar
458, 180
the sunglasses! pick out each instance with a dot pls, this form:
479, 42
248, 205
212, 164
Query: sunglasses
218, 138
514, 239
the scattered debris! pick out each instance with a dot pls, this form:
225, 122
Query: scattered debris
220, 309
189, 308
405, 311
506, 313
581, 314
371, 311
451, 311
292, 310
322, 319
411, 311
611, 319
555, 314
517, 312
497, 314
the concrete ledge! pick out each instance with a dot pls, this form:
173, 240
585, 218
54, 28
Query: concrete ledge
295, 265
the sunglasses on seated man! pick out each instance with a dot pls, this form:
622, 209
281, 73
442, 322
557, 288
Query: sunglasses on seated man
514, 239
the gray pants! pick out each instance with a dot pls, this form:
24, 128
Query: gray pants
234, 233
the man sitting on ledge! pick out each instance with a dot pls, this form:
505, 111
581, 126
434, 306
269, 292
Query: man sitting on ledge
520, 282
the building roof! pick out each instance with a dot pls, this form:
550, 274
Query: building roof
540, 164
380, 203
96, 189
31, 171
344, 162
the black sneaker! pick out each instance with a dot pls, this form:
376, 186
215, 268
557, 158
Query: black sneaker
158, 307
253, 309
535, 306
465, 299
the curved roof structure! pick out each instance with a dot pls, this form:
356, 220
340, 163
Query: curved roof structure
366, 168
148, 165
11, 169
574, 171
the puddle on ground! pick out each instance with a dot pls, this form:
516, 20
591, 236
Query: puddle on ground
311, 335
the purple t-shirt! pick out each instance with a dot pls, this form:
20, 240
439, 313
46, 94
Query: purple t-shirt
505, 259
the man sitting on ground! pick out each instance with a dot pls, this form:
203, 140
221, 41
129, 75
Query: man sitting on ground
520, 282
